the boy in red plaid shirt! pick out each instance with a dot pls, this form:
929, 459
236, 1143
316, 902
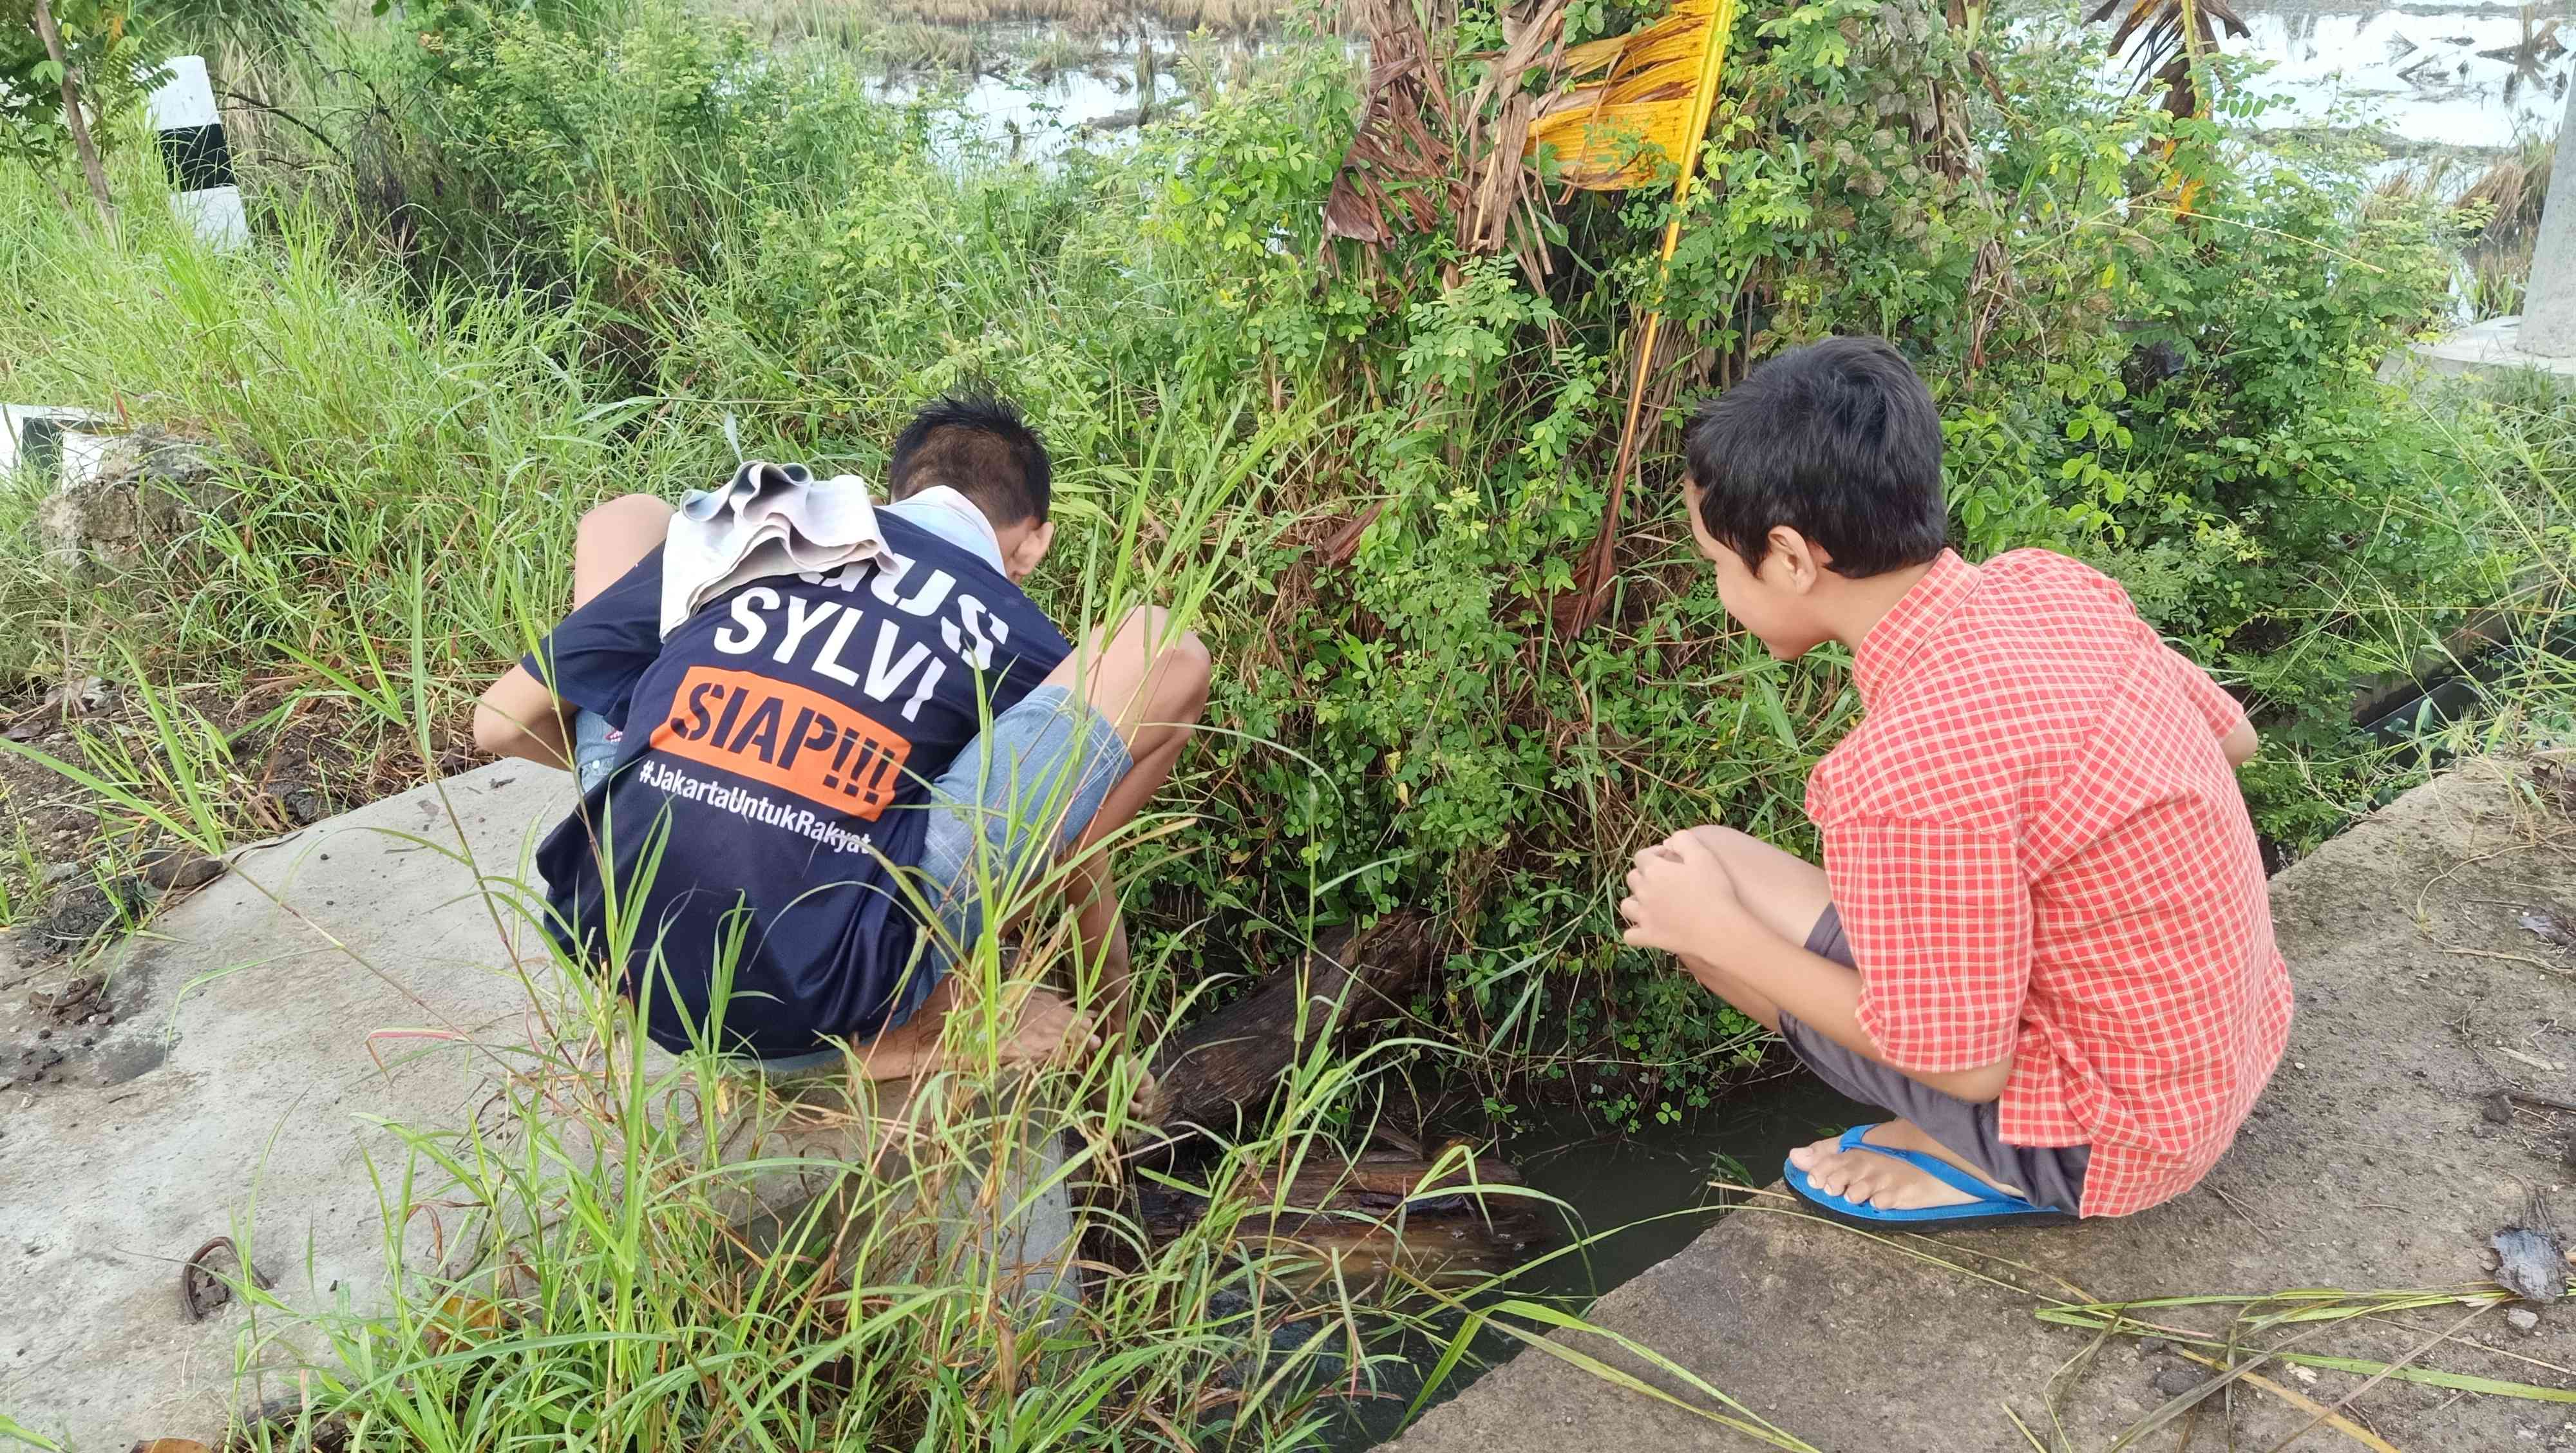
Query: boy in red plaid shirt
2040, 936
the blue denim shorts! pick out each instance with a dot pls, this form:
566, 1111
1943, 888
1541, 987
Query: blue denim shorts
1014, 800
594, 749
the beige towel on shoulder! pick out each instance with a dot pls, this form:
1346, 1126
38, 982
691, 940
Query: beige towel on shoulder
768, 520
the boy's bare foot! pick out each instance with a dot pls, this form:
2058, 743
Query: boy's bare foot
1046, 1028
1884, 1181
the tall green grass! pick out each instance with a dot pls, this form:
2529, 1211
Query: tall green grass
2519, 659
636, 1249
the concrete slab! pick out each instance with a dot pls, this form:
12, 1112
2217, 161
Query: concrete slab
2481, 350
2369, 1164
380, 967
229, 1096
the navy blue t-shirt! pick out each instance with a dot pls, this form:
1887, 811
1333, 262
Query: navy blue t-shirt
777, 753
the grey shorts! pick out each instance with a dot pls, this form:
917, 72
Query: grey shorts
1013, 800
2048, 1175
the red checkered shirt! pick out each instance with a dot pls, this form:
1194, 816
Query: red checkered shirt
2038, 848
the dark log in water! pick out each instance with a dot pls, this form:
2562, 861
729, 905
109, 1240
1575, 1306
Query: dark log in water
1235, 1059
1386, 1209
1433, 1218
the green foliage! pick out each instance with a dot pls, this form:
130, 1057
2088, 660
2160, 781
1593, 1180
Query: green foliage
616, 151
112, 59
620, 225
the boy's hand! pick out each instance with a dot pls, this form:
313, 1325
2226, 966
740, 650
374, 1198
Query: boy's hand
1681, 899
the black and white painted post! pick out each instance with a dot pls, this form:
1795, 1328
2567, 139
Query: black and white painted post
193, 149
50, 445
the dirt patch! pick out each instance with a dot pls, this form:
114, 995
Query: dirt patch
81, 869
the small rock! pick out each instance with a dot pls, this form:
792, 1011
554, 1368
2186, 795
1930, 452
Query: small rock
44, 1034
2524, 1319
2150, 1346
2178, 1379
176, 871
147, 488
2304, 1374
2533, 1263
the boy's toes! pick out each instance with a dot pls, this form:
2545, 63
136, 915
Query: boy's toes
1816, 1153
1853, 1184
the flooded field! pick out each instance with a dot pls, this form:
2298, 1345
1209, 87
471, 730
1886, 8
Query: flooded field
2468, 78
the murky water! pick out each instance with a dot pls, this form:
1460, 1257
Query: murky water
1643, 1193
1041, 115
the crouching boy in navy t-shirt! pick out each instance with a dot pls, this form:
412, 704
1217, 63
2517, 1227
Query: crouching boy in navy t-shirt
806, 796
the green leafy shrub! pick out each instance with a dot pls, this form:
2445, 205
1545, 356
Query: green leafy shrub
1418, 439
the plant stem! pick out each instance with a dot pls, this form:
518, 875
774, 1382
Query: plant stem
81, 142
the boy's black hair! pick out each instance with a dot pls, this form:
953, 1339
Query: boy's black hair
1839, 441
977, 444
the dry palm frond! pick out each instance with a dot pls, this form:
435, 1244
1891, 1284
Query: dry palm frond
1399, 157
1652, 102
1497, 178
2167, 39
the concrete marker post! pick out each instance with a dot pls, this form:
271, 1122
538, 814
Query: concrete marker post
50, 444
194, 150
2542, 337
2549, 298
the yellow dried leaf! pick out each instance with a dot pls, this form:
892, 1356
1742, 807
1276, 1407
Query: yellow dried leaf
461, 1320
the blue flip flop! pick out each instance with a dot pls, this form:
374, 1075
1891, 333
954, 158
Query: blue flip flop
1990, 1208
